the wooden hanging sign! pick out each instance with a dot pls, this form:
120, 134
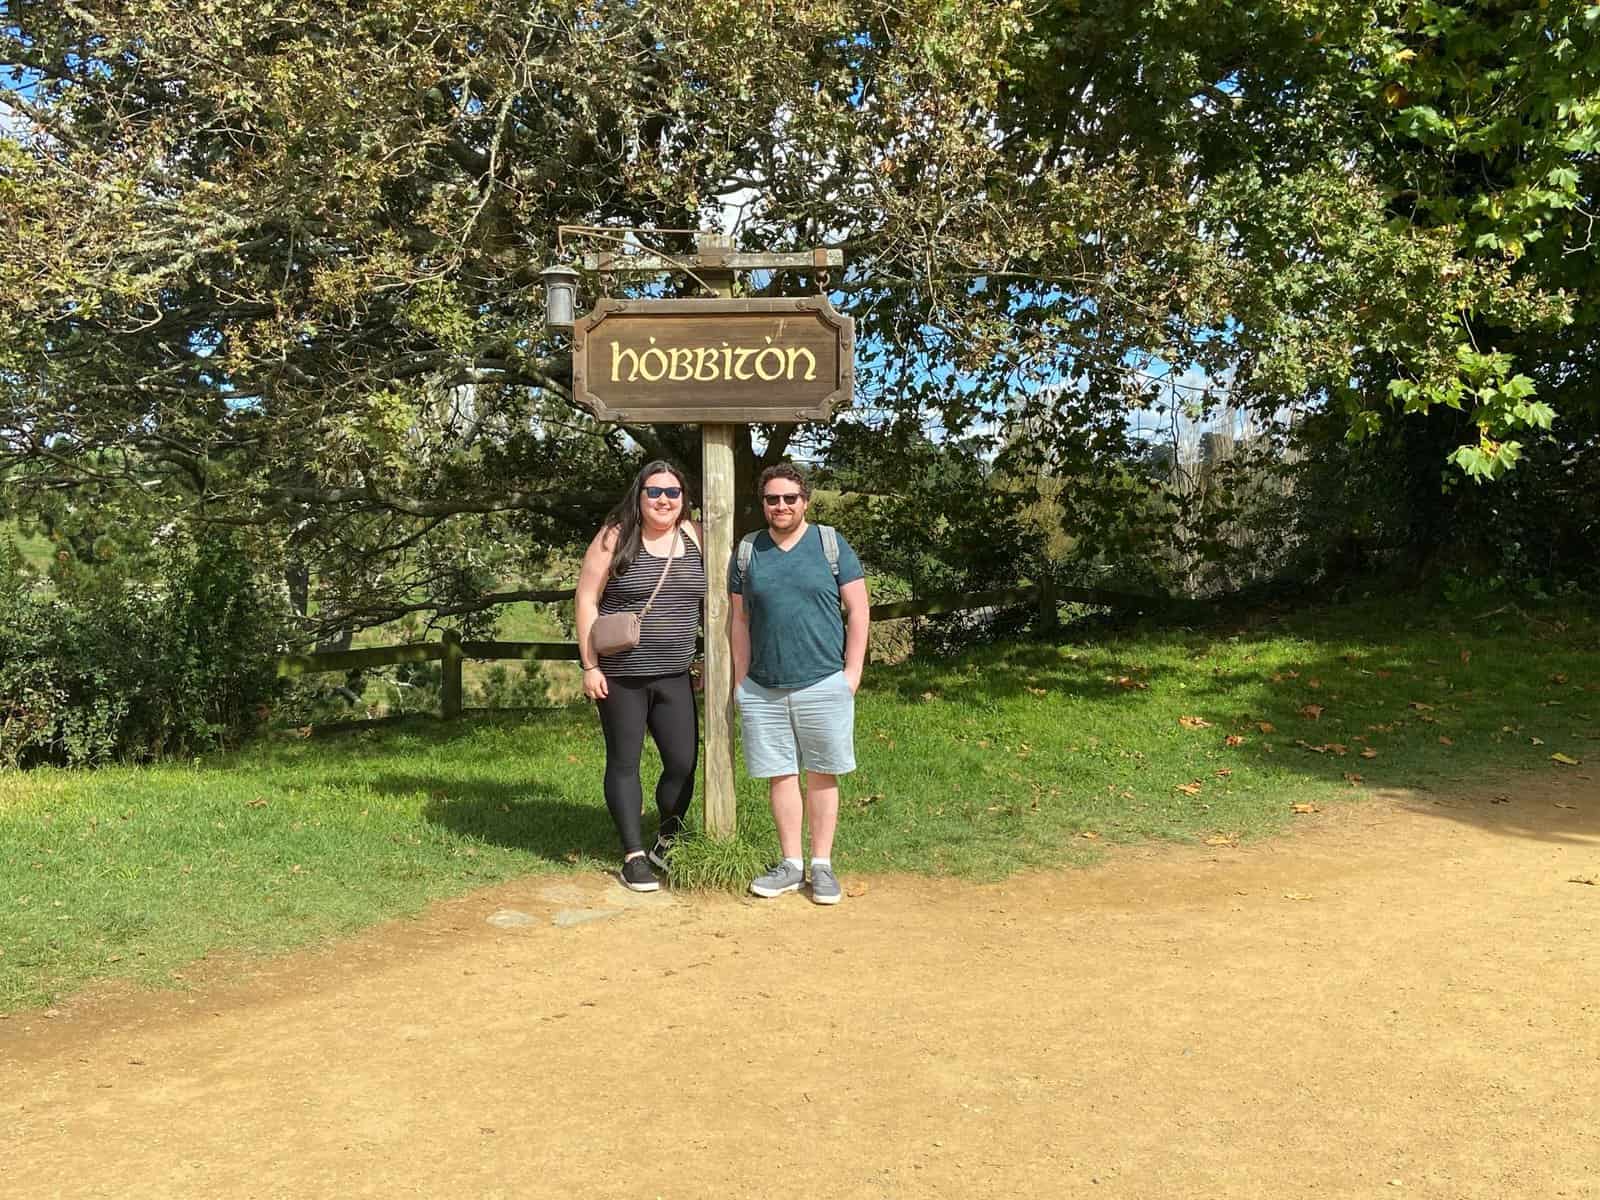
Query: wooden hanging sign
713, 361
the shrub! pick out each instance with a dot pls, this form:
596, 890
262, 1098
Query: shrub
113, 667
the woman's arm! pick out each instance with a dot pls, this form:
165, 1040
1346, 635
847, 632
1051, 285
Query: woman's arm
586, 602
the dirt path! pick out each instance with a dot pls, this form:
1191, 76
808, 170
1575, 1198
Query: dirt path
1401, 998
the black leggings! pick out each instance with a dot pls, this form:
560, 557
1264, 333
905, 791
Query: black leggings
664, 704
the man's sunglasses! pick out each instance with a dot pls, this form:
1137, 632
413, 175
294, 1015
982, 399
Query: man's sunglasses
789, 498
671, 493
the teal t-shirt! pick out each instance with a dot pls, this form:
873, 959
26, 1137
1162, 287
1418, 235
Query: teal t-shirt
792, 601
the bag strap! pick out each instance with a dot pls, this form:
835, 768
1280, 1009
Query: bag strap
677, 535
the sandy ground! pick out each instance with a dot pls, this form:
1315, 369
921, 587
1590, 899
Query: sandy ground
1402, 997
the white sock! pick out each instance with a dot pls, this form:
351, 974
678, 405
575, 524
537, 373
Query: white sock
797, 864
821, 862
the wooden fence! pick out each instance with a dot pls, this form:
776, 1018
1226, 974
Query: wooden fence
452, 651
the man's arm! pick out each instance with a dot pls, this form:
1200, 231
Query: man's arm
738, 637
856, 618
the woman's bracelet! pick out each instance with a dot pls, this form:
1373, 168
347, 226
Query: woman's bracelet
596, 667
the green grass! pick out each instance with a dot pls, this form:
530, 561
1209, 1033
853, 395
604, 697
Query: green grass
1031, 754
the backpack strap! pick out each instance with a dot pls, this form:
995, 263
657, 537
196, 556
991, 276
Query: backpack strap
747, 550
830, 548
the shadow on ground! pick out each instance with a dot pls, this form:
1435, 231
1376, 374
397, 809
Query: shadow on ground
528, 816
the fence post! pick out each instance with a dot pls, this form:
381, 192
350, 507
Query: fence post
450, 660
1047, 604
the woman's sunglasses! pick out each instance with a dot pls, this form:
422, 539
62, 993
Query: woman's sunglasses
671, 493
789, 498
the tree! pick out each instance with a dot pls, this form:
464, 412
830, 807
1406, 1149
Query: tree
274, 265
277, 263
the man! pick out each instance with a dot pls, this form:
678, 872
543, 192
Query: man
796, 668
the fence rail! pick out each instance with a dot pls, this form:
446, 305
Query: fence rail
452, 651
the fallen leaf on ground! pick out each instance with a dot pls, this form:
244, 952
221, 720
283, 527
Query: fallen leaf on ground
1033, 691
1192, 788
1351, 777
1558, 678
1564, 760
1266, 727
258, 802
1369, 752
856, 889
1233, 739
1536, 741
1224, 772
1446, 741
1313, 683
1297, 895
1312, 712
1089, 835
1466, 657
1222, 839
1303, 808
1194, 722
1420, 706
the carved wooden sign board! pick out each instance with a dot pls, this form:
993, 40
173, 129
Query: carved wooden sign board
715, 361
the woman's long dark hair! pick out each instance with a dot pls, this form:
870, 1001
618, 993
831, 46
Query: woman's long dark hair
625, 516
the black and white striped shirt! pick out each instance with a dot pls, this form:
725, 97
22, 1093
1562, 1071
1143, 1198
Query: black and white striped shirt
666, 636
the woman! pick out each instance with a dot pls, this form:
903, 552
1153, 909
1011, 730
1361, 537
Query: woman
649, 686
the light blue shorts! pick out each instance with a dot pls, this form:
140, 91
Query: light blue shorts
787, 729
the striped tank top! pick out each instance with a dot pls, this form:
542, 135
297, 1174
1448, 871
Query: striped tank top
667, 633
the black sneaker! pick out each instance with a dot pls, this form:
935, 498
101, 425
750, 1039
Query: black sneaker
637, 876
658, 853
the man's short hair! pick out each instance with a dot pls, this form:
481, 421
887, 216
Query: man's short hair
787, 471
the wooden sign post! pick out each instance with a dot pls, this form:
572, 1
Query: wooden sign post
717, 503
723, 363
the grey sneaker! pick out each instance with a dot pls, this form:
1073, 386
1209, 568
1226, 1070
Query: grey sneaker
659, 853
780, 879
825, 886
